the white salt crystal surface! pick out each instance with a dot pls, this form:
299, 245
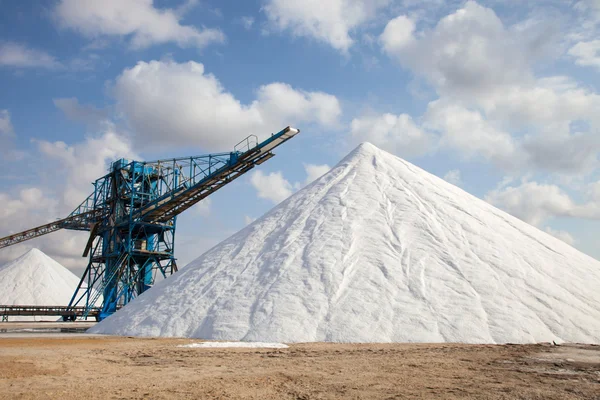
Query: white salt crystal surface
36, 279
377, 250
249, 345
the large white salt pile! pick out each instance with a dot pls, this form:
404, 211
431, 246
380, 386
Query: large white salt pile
377, 250
36, 279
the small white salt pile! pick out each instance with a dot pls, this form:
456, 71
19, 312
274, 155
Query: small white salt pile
37, 280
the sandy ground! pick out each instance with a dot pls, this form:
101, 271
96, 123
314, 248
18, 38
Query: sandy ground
96, 367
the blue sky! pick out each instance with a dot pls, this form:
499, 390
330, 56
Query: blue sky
498, 97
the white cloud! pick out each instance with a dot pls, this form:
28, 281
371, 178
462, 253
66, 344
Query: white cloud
314, 171
276, 188
590, 10
562, 235
173, 103
469, 132
593, 191
80, 112
469, 52
26, 208
453, 177
586, 54
330, 22
398, 34
532, 202
550, 111
395, 133
550, 104
203, 208
84, 162
248, 220
97, 44
535, 203
185, 7
8, 153
273, 187
6, 127
139, 19
190, 245
491, 101
546, 112
26, 200
167, 103
20, 56
247, 22
64, 246
64, 182
575, 154
280, 102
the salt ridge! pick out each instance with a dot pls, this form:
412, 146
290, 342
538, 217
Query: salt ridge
377, 250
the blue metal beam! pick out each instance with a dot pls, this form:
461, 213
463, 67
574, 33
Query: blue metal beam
132, 214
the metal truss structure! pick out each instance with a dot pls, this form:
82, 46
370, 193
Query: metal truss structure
132, 215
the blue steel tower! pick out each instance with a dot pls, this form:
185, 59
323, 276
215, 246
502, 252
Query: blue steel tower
125, 250
132, 213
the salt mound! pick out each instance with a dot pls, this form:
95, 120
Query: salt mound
377, 250
36, 279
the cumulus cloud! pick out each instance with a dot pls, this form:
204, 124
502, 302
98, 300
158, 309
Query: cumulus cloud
203, 208
80, 112
491, 103
562, 235
552, 146
21, 56
138, 19
276, 188
281, 102
65, 181
593, 191
535, 203
273, 186
31, 206
330, 22
395, 133
469, 52
82, 163
453, 177
532, 202
6, 127
167, 103
470, 133
398, 35
552, 103
26, 200
8, 152
590, 10
568, 154
550, 111
586, 54
247, 22
314, 171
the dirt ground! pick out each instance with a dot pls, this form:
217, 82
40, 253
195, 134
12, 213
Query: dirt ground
131, 368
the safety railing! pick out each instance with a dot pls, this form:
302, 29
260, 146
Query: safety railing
246, 144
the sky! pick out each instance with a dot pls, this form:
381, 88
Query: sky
500, 98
